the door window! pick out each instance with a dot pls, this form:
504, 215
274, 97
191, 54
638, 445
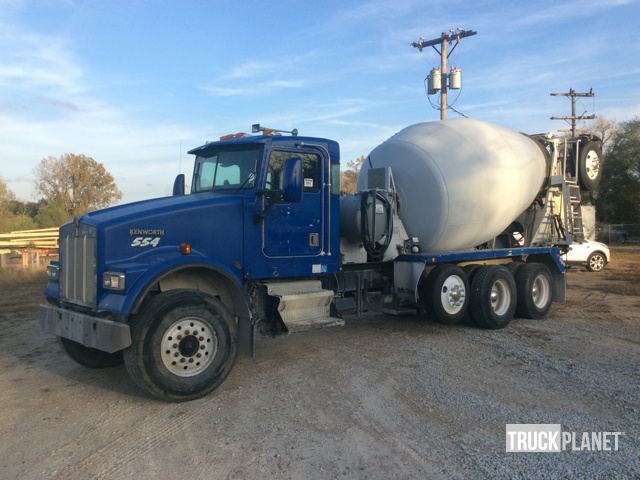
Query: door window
311, 177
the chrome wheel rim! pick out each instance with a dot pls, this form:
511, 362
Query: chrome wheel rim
592, 164
188, 346
540, 291
452, 294
596, 263
500, 297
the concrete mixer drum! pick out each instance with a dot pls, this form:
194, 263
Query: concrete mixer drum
461, 182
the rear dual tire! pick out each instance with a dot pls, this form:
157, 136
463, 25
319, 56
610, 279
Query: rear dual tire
493, 297
533, 282
490, 295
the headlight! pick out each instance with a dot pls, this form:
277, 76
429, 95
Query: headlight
113, 281
53, 272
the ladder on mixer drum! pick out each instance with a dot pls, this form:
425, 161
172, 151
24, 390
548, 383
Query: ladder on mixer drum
573, 210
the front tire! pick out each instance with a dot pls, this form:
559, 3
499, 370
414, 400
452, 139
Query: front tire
596, 262
90, 357
493, 297
183, 345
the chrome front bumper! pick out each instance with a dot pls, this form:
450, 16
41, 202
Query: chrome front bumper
92, 332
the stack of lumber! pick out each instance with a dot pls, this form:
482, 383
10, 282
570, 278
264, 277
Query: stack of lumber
42, 239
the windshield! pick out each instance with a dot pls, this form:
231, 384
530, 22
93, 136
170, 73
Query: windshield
225, 170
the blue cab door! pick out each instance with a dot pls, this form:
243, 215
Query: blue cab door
294, 229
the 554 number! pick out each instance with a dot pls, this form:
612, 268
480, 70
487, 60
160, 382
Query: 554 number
145, 242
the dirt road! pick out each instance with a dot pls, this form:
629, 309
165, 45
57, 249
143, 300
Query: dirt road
379, 398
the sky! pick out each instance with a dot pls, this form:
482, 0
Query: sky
136, 84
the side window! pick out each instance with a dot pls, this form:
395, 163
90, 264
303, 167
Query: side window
335, 179
206, 174
310, 170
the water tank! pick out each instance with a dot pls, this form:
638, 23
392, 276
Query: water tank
460, 182
351, 218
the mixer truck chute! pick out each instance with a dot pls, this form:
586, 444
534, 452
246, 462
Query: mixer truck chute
452, 220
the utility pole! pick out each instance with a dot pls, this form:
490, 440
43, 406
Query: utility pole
444, 40
443, 76
573, 117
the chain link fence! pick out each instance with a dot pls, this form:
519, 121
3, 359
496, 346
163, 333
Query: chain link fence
618, 233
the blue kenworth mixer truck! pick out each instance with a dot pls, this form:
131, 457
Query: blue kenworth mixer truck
455, 219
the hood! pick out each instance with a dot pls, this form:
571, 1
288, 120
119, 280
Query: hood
152, 208
148, 232
597, 244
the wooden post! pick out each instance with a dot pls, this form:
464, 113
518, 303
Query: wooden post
443, 76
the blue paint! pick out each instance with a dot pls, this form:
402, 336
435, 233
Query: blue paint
477, 255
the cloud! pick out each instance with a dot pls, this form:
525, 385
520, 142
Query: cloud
47, 107
252, 89
563, 11
259, 77
252, 68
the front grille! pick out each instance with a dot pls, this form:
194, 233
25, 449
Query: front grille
78, 265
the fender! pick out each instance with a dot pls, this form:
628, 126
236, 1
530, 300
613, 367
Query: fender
242, 310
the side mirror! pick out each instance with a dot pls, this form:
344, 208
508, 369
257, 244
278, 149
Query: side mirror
292, 180
178, 185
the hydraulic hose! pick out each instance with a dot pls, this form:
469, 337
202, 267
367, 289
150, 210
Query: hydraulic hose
375, 249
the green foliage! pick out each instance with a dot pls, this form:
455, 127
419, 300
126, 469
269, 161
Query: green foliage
10, 222
619, 200
52, 214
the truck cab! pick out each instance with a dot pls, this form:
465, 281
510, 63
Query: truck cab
260, 208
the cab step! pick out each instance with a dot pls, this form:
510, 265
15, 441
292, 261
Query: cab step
303, 305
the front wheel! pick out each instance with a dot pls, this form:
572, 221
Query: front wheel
90, 357
183, 345
596, 262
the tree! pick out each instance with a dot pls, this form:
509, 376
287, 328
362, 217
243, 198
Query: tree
619, 200
9, 219
6, 195
79, 182
605, 129
349, 176
52, 214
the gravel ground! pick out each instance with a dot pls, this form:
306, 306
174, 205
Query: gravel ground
379, 398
